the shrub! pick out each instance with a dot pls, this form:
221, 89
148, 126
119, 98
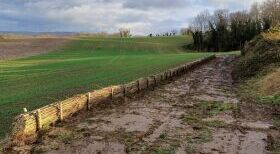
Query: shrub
259, 53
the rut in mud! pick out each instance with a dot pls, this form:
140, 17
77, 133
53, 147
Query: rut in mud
196, 113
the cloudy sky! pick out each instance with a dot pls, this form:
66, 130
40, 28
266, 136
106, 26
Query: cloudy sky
141, 16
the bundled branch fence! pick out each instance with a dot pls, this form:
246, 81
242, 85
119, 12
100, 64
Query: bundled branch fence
28, 124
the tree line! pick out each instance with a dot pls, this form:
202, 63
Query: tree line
226, 31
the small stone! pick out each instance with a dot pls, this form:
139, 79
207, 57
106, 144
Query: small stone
189, 105
97, 138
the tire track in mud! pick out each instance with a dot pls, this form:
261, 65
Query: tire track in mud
195, 113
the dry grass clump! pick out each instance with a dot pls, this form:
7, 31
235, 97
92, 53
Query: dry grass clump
270, 84
273, 34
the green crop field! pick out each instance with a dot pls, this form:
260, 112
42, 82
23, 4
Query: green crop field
84, 64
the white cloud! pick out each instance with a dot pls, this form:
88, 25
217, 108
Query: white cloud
142, 16
228, 3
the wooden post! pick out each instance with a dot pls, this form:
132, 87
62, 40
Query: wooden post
60, 111
38, 120
112, 93
155, 79
147, 83
138, 85
154, 84
88, 101
124, 94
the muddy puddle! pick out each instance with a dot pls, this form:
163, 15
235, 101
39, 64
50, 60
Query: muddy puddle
193, 114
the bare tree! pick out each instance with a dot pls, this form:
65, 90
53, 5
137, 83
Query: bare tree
223, 31
124, 32
271, 10
239, 16
221, 17
255, 12
201, 21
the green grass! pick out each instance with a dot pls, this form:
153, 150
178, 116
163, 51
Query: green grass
83, 65
214, 108
236, 53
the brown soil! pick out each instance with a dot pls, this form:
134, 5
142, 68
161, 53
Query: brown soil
17, 48
196, 113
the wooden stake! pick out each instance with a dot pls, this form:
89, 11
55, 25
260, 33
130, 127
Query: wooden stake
124, 94
39, 120
60, 111
112, 93
88, 101
138, 86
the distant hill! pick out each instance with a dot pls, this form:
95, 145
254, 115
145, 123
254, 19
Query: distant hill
27, 33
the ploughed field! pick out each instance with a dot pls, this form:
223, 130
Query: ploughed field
82, 65
12, 48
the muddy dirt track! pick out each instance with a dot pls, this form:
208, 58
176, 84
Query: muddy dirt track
196, 113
